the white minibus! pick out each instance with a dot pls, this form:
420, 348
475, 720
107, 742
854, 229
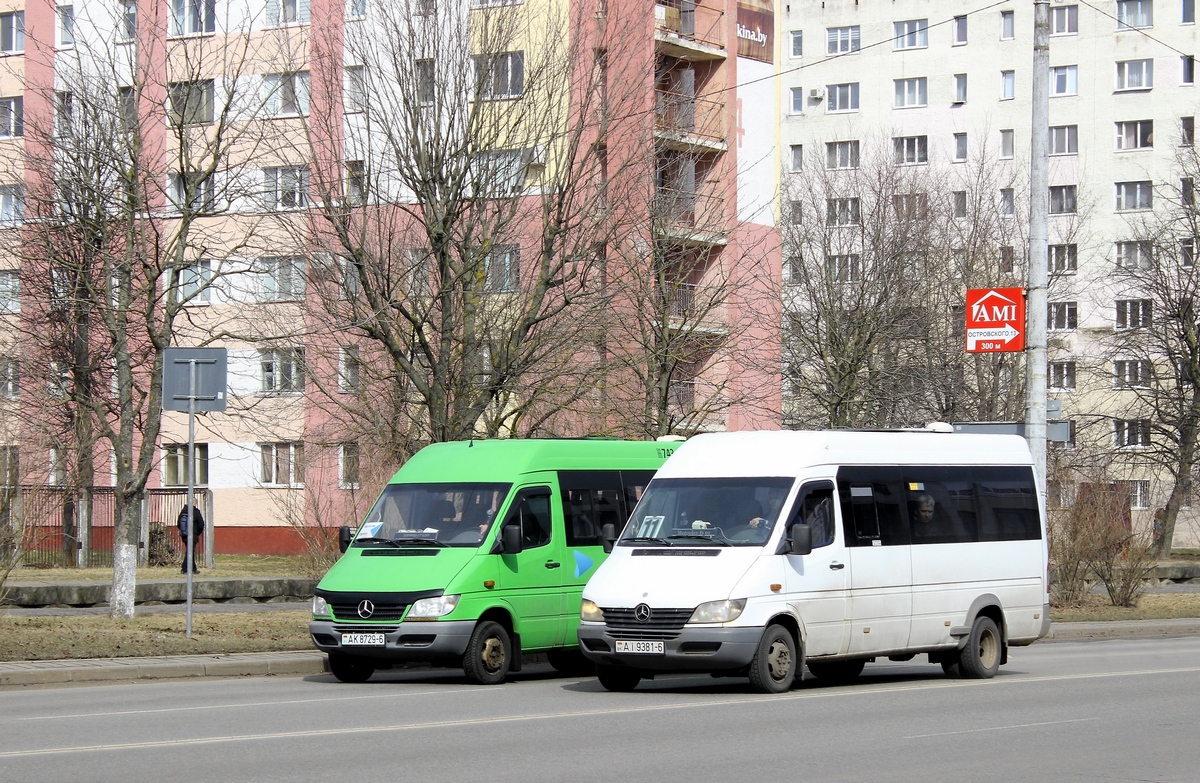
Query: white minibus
754, 553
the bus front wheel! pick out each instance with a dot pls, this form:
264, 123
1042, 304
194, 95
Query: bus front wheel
775, 664
489, 654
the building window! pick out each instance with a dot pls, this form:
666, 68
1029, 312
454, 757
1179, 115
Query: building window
1008, 260
193, 191
66, 25
499, 75
843, 97
356, 182
1187, 192
175, 464
1134, 195
842, 40
1135, 255
797, 103
12, 205
282, 370
191, 102
1131, 433
348, 470
796, 158
793, 270
195, 283
1008, 205
1064, 80
1062, 316
10, 378
1062, 199
1134, 313
960, 203
1007, 26
502, 269
1064, 140
1006, 143
844, 268
1132, 374
795, 213
1187, 131
349, 370
1135, 75
12, 117
10, 291
1008, 85
288, 12
960, 30
841, 154
910, 150
1188, 12
1135, 135
1187, 252
357, 9
796, 37
911, 34
1134, 13
287, 94
283, 278
286, 187
1064, 20
1061, 376
910, 206
960, 147
960, 88
12, 32
64, 114
842, 212
354, 96
1139, 493
282, 464
1062, 259
911, 92
1188, 69
189, 17
426, 81
127, 26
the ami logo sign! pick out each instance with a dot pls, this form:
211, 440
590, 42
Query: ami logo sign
995, 320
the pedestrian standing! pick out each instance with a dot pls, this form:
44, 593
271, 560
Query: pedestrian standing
190, 541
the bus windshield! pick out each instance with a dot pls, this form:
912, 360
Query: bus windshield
432, 515
707, 512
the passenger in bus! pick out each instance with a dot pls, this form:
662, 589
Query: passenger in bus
930, 523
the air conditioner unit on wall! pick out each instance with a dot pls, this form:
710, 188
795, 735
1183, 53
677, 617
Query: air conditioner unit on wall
817, 94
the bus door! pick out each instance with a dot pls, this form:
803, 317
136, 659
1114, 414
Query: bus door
817, 583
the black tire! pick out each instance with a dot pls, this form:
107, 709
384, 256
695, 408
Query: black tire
488, 655
951, 668
348, 668
570, 662
837, 672
617, 678
980, 658
775, 663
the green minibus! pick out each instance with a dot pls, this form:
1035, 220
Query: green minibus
476, 552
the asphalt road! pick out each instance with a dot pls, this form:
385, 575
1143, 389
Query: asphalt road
1112, 710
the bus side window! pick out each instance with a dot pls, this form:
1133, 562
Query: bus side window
591, 499
872, 511
816, 511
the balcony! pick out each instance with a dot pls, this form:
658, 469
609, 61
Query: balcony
689, 218
687, 123
687, 31
696, 312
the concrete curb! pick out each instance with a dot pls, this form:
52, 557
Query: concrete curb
1124, 629
162, 667
218, 589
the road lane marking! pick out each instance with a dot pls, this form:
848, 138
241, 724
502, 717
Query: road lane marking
624, 710
1000, 728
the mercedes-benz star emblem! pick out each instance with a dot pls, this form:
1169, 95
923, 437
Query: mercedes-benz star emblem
365, 609
641, 613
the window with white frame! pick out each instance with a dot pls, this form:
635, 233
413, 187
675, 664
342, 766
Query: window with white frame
282, 464
1134, 195
283, 278
910, 150
354, 94
960, 147
285, 187
1064, 140
10, 291
499, 75
425, 80
842, 40
1187, 252
282, 370
1062, 199
841, 154
1064, 80
1135, 135
846, 268
66, 25
502, 267
1135, 74
911, 34
960, 88
64, 114
1007, 139
348, 469
1133, 14
357, 9
1187, 192
191, 190
796, 41
1008, 202
1061, 376
280, 12
175, 464
10, 465
1062, 316
796, 157
1187, 63
287, 94
960, 203
191, 103
960, 30
796, 104
843, 97
195, 283
500, 171
1008, 85
1063, 259
12, 117
1187, 131
57, 475
1139, 493
12, 205
1134, 313
12, 32
1132, 374
1135, 255
1008, 26
795, 213
190, 17
1064, 20
1131, 433
910, 206
356, 182
1188, 12
842, 212
793, 269
127, 25
349, 370
10, 377
911, 92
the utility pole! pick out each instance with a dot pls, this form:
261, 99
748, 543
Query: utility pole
1036, 299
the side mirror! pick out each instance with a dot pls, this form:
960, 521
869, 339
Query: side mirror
800, 539
511, 536
345, 536
608, 534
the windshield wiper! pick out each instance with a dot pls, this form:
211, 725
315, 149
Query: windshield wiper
422, 541
705, 539
647, 540
387, 541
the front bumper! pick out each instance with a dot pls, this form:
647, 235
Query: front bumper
432, 641
699, 648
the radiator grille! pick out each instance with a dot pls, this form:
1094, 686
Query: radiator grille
663, 623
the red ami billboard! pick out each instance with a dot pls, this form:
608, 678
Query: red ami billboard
995, 320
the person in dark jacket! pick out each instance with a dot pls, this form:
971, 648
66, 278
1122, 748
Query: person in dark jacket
192, 540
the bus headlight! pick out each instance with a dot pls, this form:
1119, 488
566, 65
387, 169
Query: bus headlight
432, 608
718, 611
589, 612
320, 607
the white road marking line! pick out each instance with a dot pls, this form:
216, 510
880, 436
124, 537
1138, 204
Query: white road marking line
1000, 728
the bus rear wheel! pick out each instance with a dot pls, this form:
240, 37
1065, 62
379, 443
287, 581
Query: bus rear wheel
980, 658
